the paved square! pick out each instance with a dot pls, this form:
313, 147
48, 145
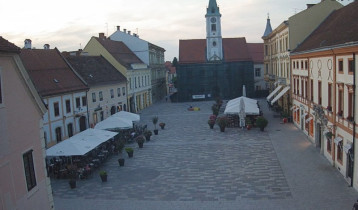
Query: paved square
189, 166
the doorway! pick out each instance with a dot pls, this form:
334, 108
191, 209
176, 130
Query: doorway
83, 123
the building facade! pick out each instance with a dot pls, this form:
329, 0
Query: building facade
215, 66
107, 92
283, 40
137, 73
62, 91
152, 55
24, 183
324, 89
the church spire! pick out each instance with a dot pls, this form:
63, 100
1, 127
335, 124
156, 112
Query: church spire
268, 29
213, 9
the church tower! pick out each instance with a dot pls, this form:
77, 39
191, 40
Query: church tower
214, 47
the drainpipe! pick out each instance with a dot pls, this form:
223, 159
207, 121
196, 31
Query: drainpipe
354, 110
89, 126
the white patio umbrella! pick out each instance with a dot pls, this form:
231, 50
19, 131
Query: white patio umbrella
127, 115
114, 123
242, 113
244, 91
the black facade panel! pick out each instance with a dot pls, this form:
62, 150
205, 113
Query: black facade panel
210, 80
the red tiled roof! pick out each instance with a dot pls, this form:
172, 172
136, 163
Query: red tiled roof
256, 51
194, 51
339, 28
46, 66
120, 52
6, 46
169, 66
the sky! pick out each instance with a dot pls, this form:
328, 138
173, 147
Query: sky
69, 24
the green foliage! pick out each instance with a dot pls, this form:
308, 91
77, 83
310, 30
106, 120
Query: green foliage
148, 133
211, 122
103, 173
261, 122
222, 121
215, 108
140, 139
128, 149
175, 62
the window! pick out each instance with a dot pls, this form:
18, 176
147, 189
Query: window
266, 50
118, 92
68, 106
56, 109
301, 64
301, 93
130, 83
319, 92
101, 115
306, 65
95, 120
329, 147
84, 101
257, 72
139, 81
340, 102
312, 90
213, 27
294, 85
294, 65
78, 102
93, 97
70, 130
340, 151
112, 93
306, 89
340, 65
58, 134
135, 82
29, 170
329, 97
267, 69
0, 90
124, 91
142, 81
350, 66
100, 95
350, 107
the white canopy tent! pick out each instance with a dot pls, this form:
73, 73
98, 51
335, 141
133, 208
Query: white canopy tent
250, 105
81, 143
127, 115
114, 123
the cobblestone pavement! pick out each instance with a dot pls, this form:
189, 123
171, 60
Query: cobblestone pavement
189, 166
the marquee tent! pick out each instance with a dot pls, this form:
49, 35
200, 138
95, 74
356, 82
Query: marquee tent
251, 108
114, 123
127, 115
81, 143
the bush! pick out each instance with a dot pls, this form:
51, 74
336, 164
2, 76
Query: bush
148, 133
261, 122
102, 173
140, 139
128, 149
222, 121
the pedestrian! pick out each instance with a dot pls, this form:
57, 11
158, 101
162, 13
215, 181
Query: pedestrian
166, 98
355, 205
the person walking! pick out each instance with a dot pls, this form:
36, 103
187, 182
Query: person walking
355, 205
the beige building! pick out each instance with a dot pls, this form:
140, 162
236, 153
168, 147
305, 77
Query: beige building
23, 183
324, 89
284, 39
138, 74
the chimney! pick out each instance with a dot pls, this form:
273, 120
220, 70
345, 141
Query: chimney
129, 32
134, 34
102, 36
46, 47
118, 28
310, 5
125, 30
27, 44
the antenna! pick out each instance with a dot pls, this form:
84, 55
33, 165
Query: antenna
107, 28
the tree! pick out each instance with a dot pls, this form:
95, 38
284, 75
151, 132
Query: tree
175, 62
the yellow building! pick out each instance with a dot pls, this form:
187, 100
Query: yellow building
124, 60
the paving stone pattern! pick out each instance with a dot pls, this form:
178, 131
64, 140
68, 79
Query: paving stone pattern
189, 166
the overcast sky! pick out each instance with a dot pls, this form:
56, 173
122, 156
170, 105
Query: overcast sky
69, 24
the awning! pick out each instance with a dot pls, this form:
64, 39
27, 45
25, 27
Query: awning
347, 147
280, 94
304, 115
274, 92
309, 119
338, 139
127, 115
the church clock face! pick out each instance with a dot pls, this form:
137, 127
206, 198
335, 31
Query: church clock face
213, 20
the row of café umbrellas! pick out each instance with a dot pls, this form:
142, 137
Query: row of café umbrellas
87, 140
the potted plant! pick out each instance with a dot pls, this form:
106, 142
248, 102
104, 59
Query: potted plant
329, 135
211, 123
285, 117
261, 122
140, 140
103, 175
121, 161
129, 151
155, 121
215, 108
147, 134
248, 123
162, 125
72, 183
222, 122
